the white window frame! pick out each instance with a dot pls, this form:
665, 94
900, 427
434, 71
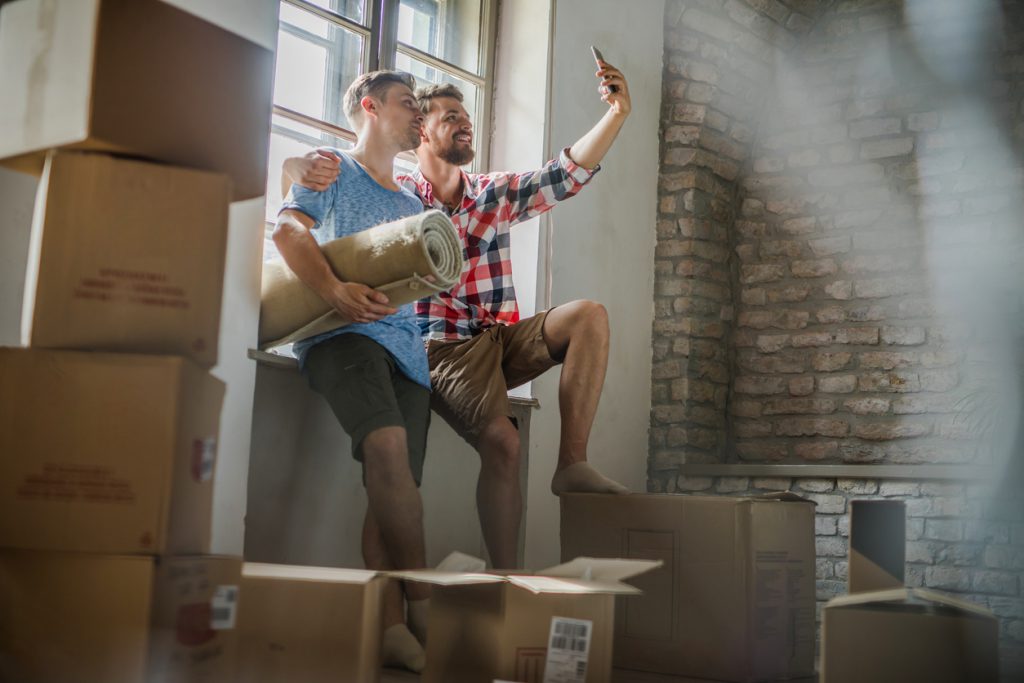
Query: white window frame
381, 46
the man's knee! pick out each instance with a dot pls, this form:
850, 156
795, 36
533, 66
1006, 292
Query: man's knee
499, 447
385, 454
594, 315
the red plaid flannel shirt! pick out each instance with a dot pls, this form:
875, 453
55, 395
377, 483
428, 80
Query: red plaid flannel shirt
491, 204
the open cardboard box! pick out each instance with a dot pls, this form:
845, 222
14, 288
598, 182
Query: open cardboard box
555, 625
908, 634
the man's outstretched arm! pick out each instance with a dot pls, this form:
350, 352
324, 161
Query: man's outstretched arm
355, 302
591, 148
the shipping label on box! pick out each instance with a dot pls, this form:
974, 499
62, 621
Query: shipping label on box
100, 618
98, 452
126, 256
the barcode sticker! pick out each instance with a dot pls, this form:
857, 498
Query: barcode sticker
223, 608
568, 650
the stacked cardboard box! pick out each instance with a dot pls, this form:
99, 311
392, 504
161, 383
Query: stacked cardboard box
734, 599
143, 122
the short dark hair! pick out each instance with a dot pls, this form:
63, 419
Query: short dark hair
426, 94
374, 84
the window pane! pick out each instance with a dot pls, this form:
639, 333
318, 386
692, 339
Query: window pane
447, 29
290, 139
316, 61
428, 74
350, 9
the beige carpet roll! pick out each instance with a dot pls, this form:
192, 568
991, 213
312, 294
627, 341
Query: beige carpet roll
393, 258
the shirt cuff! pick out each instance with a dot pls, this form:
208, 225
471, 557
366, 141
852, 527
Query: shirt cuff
576, 172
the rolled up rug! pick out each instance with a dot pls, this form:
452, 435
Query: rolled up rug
393, 258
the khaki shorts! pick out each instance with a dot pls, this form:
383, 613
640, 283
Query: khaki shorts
367, 391
471, 377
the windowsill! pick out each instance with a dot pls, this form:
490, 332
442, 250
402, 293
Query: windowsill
280, 361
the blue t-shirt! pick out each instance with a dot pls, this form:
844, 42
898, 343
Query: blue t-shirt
353, 203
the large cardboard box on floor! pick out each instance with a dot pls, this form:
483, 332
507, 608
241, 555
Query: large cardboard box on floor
555, 626
116, 619
126, 256
735, 597
106, 453
137, 77
908, 636
309, 624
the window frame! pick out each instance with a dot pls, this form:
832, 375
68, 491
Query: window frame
380, 49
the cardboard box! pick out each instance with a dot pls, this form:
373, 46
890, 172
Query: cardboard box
553, 626
309, 624
905, 636
136, 77
106, 453
735, 597
116, 619
126, 256
878, 545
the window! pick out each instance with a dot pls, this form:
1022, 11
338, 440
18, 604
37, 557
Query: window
324, 44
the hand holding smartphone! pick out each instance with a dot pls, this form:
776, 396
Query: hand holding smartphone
598, 58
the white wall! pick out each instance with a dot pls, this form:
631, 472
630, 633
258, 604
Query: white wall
602, 244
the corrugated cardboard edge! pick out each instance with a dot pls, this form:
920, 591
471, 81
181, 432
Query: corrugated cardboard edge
35, 252
263, 570
905, 594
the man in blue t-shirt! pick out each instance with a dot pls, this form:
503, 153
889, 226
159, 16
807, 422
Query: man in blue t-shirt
373, 372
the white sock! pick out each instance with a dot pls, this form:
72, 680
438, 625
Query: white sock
399, 648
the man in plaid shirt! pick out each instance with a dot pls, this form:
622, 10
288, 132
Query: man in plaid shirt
477, 345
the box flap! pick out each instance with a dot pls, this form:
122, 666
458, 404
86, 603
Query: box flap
443, 578
782, 497
260, 570
569, 586
600, 569
910, 596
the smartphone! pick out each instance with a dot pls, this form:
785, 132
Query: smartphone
598, 58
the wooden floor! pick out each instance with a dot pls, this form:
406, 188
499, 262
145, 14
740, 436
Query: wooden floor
619, 676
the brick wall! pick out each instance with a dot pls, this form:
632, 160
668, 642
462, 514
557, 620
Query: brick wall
838, 266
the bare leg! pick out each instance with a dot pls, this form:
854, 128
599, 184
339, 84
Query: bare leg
578, 331
395, 502
498, 498
393, 538
375, 556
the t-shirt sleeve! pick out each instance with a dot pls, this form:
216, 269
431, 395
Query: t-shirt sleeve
316, 205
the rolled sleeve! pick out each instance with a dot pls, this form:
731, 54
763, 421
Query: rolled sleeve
575, 171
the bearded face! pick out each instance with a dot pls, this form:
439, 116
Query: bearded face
449, 132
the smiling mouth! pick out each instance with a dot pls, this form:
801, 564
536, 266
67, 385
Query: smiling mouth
463, 138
